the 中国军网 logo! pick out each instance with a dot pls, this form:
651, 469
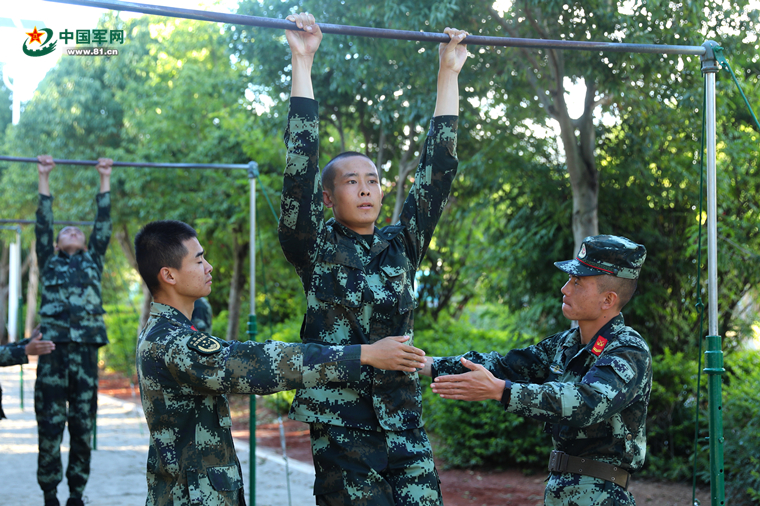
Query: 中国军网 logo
46, 47
36, 46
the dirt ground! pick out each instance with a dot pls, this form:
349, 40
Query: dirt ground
461, 487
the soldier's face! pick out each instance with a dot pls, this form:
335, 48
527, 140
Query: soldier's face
70, 240
356, 197
194, 277
581, 300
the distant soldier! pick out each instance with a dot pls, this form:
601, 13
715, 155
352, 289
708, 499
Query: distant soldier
71, 315
590, 384
368, 441
185, 373
17, 353
201, 318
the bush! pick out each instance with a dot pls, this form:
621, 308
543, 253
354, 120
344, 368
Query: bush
121, 324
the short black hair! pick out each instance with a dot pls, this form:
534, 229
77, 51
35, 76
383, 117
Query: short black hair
328, 173
623, 287
159, 245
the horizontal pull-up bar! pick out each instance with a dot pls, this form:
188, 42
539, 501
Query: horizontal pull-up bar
32, 222
210, 166
239, 19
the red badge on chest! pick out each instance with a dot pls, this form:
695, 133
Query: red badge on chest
193, 327
599, 346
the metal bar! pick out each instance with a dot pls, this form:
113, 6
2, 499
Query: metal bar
361, 31
211, 166
253, 172
713, 355
32, 222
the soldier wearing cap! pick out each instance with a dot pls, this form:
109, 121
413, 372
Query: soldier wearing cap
590, 384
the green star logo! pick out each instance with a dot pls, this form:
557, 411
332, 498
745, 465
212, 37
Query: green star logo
36, 36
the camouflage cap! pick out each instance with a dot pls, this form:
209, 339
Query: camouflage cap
606, 254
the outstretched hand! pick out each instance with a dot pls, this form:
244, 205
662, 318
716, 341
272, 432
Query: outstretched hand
453, 54
393, 355
36, 346
477, 385
304, 43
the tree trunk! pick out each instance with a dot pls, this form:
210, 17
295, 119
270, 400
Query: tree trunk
237, 283
405, 167
32, 288
125, 241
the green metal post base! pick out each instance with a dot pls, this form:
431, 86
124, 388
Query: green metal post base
714, 369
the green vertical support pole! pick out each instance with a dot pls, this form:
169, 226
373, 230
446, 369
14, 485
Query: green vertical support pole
713, 354
253, 172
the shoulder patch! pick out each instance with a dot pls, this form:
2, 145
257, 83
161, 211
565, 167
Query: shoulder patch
599, 345
204, 344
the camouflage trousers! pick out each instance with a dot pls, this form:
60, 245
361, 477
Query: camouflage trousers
386, 468
570, 489
66, 391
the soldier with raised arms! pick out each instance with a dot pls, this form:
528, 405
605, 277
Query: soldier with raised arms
184, 374
368, 441
71, 315
590, 384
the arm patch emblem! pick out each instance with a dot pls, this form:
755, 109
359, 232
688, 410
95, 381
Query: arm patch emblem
204, 344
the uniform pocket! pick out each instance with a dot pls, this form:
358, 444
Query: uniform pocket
225, 478
338, 284
400, 277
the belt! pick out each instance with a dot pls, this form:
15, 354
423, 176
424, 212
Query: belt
561, 462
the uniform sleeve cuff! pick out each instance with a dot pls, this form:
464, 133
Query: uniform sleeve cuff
304, 106
507, 394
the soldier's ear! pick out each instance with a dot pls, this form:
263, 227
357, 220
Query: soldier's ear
610, 299
327, 199
166, 275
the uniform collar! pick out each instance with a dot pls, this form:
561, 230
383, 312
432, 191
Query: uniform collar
608, 331
605, 335
169, 313
345, 244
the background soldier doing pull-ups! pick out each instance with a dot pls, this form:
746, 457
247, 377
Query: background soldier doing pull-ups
71, 315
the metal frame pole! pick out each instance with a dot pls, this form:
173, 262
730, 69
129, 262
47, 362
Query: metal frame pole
713, 354
14, 292
253, 173
384, 33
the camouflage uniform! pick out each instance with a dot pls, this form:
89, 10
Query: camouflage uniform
592, 397
184, 375
201, 317
12, 354
71, 315
360, 293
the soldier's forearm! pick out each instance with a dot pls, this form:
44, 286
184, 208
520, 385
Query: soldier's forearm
105, 183
44, 184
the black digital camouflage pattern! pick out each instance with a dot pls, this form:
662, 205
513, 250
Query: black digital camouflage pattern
357, 293
201, 318
72, 306
356, 468
592, 397
12, 354
606, 254
66, 392
71, 312
184, 375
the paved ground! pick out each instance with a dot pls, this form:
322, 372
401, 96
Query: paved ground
118, 465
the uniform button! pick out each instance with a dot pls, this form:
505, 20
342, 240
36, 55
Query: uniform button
629, 437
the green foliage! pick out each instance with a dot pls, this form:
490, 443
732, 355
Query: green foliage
670, 418
470, 434
742, 428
